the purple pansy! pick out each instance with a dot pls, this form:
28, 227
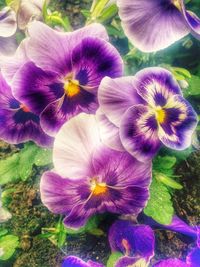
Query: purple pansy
152, 25
17, 123
149, 110
73, 261
135, 242
89, 178
61, 77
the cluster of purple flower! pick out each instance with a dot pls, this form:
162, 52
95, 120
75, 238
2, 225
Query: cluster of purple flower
67, 90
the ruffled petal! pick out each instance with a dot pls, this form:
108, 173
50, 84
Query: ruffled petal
71, 160
178, 125
152, 25
116, 96
55, 55
8, 25
8, 46
73, 261
138, 133
61, 195
156, 85
109, 132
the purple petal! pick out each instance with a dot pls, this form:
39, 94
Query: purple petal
72, 160
138, 133
17, 123
73, 261
179, 124
193, 21
156, 85
152, 25
193, 258
36, 88
177, 225
170, 263
54, 55
63, 109
116, 96
109, 132
132, 240
8, 25
61, 195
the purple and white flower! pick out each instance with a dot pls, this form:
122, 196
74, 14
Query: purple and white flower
152, 25
17, 123
148, 110
61, 76
135, 242
89, 178
73, 261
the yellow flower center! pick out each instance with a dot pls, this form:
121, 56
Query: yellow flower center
72, 88
98, 188
177, 4
160, 114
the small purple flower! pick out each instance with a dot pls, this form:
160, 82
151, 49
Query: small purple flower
152, 25
149, 110
90, 178
135, 242
17, 123
73, 261
61, 76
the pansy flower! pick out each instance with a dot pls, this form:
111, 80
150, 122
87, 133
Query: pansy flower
17, 123
89, 178
135, 242
149, 110
152, 25
73, 261
64, 71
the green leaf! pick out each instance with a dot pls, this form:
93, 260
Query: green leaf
166, 162
108, 13
194, 88
167, 181
160, 206
19, 165
8, 244
100, 5
9, 169
3, 232
113, 259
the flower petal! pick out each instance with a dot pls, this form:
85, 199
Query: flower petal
179, 124
54, 55
116, 96
8, 46
138, 133
170, 262
193, 21
63, 109
109, 132
36, 88
61, 195
155, 85
8, 25
132, 240
193, 258
71, 160
73, 261
152, 25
